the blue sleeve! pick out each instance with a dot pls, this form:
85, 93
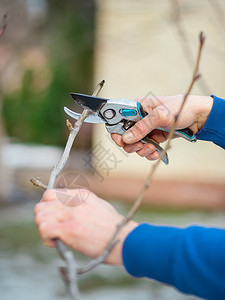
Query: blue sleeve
214, 128
191, 259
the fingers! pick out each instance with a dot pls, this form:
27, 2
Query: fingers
50, 218
49, 214
143, 150
130, 148
146, 151
49, 231
48, 228
159, 117
43, 213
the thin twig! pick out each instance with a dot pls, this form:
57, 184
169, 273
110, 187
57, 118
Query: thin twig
112, 242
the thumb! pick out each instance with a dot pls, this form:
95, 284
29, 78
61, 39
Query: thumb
159, 117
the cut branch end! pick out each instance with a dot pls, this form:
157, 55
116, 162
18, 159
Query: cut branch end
37, 182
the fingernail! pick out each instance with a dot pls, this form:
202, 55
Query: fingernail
128, 136
155, 155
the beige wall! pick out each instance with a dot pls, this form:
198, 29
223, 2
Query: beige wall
145, 46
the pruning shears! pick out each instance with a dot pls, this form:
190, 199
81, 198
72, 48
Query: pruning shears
120, 115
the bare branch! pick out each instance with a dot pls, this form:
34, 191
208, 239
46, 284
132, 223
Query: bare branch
70, 275
69, 272
67, 256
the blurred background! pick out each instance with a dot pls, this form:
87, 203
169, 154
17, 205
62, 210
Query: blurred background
51, 48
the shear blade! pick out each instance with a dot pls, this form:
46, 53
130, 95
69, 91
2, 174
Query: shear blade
88, 102
92, 118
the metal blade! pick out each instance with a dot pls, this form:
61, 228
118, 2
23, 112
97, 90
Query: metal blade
88, 102
92, 118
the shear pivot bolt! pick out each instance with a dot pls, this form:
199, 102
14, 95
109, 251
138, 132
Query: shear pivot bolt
109, 113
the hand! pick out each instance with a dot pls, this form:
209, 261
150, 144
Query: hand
87, 227
161, 112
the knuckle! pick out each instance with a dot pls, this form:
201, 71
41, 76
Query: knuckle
163, 116
145, 102
148, 103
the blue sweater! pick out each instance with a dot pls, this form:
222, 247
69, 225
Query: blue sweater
191, 259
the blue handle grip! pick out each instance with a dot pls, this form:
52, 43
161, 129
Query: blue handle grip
185, 133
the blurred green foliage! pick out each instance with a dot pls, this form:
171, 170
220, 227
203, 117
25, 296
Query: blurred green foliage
36, 115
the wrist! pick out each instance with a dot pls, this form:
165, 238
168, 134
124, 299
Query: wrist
202, 108
115, 256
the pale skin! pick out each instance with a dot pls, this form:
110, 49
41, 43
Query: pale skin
161, 112
87, 227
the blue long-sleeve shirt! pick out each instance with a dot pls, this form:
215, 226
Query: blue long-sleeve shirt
214, 128
191, 259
